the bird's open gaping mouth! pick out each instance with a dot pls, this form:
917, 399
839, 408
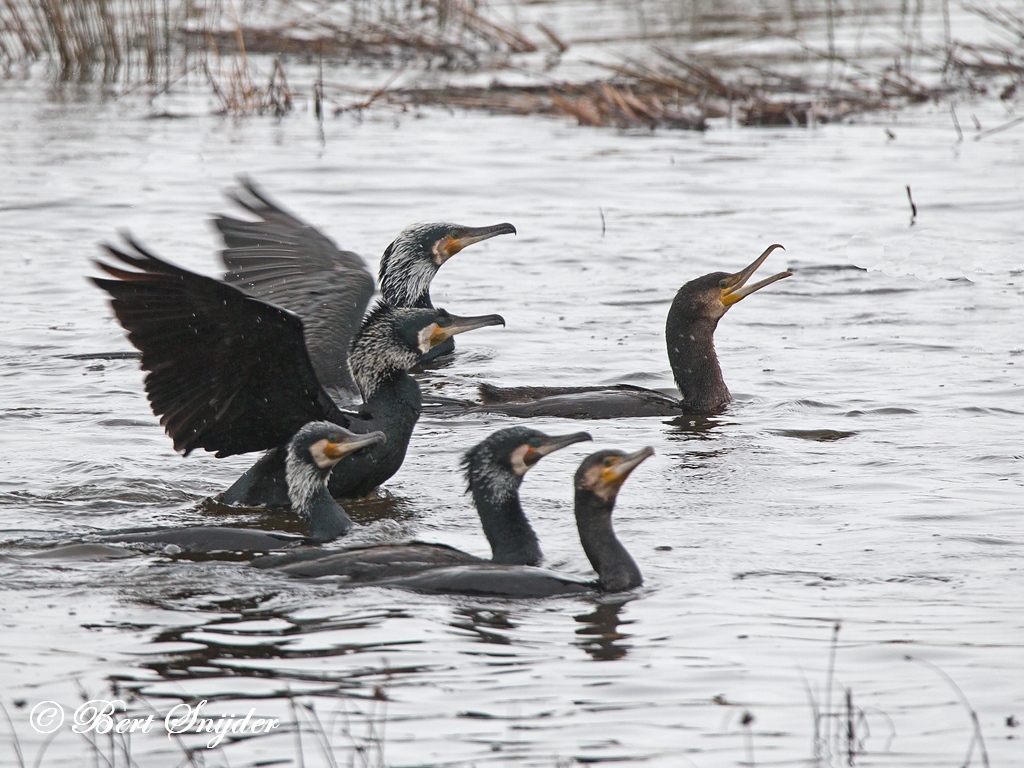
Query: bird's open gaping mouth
733, 289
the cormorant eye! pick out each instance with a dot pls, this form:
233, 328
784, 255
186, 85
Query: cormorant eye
534, 442
723, 283
609, 461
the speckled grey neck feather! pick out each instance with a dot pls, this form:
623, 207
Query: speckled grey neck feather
377, 353
306, 481
407, 267
307, 485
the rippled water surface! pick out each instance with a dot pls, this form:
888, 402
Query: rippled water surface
869, 473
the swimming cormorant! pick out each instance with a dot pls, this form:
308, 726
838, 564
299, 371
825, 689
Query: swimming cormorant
230, 373
312, 454
285, 261
690, 337
494, 469
597, 484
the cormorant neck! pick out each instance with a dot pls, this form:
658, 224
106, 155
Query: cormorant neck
496, 496
691, 353
405, 275
307, 490
616, 569
375, 360
392, 392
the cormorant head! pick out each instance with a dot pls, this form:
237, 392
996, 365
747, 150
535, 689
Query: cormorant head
604, 472
321, 444
710, 296
510, 453
314, 451
394, 339
411, 261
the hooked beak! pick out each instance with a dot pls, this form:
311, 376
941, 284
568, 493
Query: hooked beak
733, 290
351, 443
466, 236
616, 474
533, 455
459, 325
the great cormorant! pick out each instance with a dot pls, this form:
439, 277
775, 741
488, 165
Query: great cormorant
312, 454
284, 260
494, 469
690, 337
597, 484
231, 373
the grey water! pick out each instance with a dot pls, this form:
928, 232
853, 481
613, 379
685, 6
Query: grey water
870, 473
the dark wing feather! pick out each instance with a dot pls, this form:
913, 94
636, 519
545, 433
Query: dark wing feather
283, 260
227, 372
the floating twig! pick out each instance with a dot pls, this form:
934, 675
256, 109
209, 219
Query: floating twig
999, 128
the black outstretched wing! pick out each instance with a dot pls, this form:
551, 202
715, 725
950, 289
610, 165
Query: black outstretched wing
283, 260
227, 372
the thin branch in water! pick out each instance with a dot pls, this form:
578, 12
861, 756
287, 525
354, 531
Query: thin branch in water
977, 737
913, 208
956, 124
831, 670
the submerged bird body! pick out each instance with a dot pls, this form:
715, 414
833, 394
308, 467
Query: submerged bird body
597, 484
690, 339
311, 455
281, 259
230, 373
494, 470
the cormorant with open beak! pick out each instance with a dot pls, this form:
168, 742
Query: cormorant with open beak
690, 337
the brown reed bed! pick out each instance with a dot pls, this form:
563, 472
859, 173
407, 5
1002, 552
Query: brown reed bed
86, 38
239, 50
673, 92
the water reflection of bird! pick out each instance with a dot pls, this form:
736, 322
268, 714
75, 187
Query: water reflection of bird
311, 455
495, 469
232, 374
600, 635
597, 484
689, 334
285, 261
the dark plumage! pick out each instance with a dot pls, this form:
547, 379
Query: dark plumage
285, 261
597, 484
690, 337
494, 470
230, 373
312, 453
